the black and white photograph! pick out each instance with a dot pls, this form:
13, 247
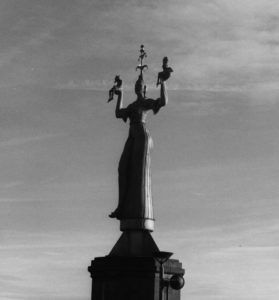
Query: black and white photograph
139, 149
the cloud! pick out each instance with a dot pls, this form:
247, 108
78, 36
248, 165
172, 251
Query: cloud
19, 141
236, 261
217, 44
87, 84
11, 200
67, 256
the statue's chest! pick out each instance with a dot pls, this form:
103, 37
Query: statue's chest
137, 113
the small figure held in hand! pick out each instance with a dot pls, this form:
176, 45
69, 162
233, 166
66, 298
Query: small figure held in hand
165, 74
116, 87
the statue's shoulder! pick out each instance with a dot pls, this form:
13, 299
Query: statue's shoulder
148, 103
151, 104
132, 106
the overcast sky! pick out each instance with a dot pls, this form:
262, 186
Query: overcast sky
215, 165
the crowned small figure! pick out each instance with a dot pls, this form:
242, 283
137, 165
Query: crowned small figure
165, 74
116, 86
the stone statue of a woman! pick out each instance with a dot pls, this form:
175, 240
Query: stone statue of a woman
134, 208
135, 201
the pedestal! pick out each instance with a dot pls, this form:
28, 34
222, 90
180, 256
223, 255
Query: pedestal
131, 278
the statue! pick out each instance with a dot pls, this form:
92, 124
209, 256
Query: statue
134, 268
135, 200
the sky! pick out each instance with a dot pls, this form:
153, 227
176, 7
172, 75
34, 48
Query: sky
215, 164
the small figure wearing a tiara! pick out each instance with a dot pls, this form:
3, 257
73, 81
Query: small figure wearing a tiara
165, 74
116, 86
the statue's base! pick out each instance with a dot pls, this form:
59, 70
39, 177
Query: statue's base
131, 278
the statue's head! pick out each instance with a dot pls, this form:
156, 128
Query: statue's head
140, 87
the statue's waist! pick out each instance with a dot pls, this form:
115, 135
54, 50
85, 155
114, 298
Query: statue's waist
137, 123
139, 129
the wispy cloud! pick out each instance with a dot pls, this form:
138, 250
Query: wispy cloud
99, 85
19, 141
32, 251
233, 262
219, 45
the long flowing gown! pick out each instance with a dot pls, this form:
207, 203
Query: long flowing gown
135, 199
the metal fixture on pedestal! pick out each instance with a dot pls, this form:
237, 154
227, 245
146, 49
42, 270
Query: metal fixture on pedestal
176, 281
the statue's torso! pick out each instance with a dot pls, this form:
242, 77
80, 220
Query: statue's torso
137, 112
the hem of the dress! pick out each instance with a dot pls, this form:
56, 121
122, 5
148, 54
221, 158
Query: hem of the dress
137, 224
138, 123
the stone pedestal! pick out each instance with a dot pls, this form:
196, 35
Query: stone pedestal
136, 243
131, 278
